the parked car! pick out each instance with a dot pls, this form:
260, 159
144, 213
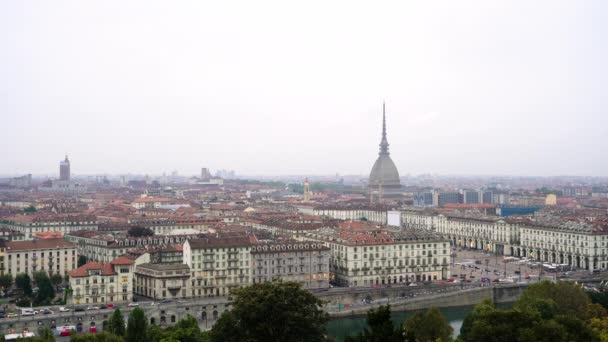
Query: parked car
132, 305
46, 311
103, 306
63, 309
110, 305
93, 308
11, 315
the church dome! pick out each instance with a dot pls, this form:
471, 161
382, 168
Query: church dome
384, 177
384, 172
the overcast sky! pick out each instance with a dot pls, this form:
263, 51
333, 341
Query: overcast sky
285, 87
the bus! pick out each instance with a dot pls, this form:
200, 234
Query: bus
15, 336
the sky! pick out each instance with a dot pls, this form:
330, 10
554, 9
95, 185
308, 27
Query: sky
284, 87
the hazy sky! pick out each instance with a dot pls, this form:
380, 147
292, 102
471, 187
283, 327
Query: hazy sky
285, 87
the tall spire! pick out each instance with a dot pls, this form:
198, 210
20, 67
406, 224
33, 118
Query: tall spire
384, 141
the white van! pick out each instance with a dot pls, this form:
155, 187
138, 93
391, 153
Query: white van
28, 312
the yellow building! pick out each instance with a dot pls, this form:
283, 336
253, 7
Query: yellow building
551, 199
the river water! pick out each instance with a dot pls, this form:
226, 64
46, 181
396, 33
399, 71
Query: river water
348, 326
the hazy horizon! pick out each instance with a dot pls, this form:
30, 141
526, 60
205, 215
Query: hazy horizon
271, 88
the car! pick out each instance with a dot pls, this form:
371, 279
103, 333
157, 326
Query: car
133, 305
165, 301
93, 329
63, 309
46, 311
65, 332
11, 315
413, 284
92, 307
79, 308
103, 306
110, 305
2, 314
451, 280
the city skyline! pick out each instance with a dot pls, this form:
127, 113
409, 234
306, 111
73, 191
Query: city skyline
475, 89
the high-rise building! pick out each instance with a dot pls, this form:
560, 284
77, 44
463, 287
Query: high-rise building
384, 177
449, 197
64, 169
471, 196
423, 199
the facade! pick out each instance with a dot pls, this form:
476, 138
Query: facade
575, 244
423, 199
55, 256
364, 259
30, 224
303, 262
384, 177
103, 282
449, 197
218, 264
162, 281
104, 247
471, 196
64, 170
371, 213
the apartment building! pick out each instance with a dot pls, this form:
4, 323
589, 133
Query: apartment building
162, 281
218, 264
39, 223
103, 282
384, 256
49, 255
303, 262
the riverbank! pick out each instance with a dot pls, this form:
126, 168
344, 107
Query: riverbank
462, 298
339, 328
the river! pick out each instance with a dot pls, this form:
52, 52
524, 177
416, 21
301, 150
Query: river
348, 326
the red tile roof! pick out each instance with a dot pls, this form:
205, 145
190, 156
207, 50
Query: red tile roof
122, 260
13, 246
83, 271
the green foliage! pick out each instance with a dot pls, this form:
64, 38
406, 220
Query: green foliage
599, 298
116, 324
430, 326
379, 328
46, 292
6, 281
568, 297
56, 279
186, 330
599, 326
273, 311
545, 312
137, 326
103, 336
30, 209
23, 282
82, 259
139, 231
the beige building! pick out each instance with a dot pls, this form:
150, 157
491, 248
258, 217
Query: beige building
218, 265
382, 256
39, 223
303, 262
162, 281
49, 255
103, 282
575, 244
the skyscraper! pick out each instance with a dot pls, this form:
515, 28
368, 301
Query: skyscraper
384, 177
64, 169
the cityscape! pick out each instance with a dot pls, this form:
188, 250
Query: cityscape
373, 227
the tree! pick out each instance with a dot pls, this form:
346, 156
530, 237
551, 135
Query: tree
568, 297
82, 259
430, 326
117, 323
103, 336
139, 231
186, 330
137, 326
56, 279
478, 311
23, 282
46, 292
272, 311
30, 209
6, 281
379, 328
